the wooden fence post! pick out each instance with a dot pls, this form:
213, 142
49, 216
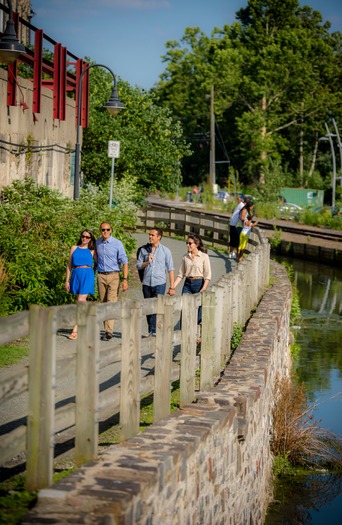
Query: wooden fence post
208, 351
87, 384
130, 369
41, 404
188, 353
227, 321
163, 358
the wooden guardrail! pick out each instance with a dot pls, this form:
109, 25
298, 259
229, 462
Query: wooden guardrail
172, 356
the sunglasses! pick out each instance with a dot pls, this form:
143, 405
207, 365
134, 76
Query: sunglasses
189, 243
105, 230
85, 237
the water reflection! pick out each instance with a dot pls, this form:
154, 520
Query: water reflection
317, 500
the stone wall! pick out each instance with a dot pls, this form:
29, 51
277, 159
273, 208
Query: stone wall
208, 463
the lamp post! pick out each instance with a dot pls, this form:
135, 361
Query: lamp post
114, 106
10, 47
212, 175
339, 147
329, 136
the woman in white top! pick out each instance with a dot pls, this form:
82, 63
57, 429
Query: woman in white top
196, 269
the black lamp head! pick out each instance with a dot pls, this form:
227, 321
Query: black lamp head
114, 104
10, 47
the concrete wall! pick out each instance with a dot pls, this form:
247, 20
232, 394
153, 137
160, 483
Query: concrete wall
208, 463
49, 162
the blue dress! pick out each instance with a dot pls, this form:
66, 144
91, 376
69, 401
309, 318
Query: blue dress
82, 279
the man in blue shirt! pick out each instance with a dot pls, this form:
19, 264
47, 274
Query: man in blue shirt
156, 260
111, 255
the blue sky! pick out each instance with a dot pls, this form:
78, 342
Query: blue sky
129, 35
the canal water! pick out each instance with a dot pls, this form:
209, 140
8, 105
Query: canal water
316, 500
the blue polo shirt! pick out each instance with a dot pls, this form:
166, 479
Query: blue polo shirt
110, 255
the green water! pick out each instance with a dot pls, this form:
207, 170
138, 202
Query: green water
316, 500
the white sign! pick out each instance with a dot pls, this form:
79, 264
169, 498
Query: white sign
114, 149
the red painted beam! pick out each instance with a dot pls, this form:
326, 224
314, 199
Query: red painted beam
37, 70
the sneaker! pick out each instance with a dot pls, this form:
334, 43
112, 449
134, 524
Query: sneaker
106, 336
233, 256
153, 334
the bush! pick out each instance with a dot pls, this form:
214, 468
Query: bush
37, 228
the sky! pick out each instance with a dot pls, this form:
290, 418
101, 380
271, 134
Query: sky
129, 36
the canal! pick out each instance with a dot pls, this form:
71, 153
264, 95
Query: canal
316, 499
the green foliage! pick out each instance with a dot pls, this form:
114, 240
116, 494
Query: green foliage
37, 228
151, 142
275, 74
15, 500
236, 336
282, 466
275, 239
294, 350
295, 313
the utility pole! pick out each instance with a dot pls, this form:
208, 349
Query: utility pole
212, 177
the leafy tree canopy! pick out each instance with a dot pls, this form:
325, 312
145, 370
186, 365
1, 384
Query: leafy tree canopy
276, 73
151, 142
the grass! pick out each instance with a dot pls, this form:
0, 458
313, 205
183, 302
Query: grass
13, 352
297, 438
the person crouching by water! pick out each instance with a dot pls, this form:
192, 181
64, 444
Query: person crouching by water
80, 277
196, 269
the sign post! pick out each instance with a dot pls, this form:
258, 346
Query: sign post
113, 153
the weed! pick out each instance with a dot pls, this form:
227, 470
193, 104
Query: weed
297, 436
294, 350
275, 239
15, 500
282, 466
237, 336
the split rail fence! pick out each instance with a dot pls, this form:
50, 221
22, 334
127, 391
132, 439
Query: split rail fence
144, 365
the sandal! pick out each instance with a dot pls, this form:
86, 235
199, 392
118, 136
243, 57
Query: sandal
73, 336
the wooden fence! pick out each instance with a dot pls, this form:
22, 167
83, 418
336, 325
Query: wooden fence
146, 365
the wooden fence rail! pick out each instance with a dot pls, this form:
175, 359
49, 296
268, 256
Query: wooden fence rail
171, 355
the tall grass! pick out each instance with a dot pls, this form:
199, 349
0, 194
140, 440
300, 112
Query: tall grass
296, 433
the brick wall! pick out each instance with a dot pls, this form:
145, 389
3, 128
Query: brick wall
209, 463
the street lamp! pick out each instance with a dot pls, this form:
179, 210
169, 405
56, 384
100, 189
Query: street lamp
10, 47
113, 106
329, 136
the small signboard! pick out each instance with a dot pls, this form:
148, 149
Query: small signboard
114, 149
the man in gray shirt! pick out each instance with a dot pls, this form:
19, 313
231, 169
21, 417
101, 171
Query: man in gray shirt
155, 260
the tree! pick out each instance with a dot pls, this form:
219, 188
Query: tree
151, 143
193, 66
276, 72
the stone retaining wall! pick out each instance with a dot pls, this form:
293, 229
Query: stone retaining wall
209, 463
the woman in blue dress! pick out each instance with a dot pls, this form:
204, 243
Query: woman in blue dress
80, 278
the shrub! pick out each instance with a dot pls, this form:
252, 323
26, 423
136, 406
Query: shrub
37, 228
297, 436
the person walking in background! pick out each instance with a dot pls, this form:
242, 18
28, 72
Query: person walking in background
111, 256
249, 221
154, 261
80, 275
234, 229
196, 269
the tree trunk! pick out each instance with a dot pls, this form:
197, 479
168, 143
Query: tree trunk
314, 156
263, 137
